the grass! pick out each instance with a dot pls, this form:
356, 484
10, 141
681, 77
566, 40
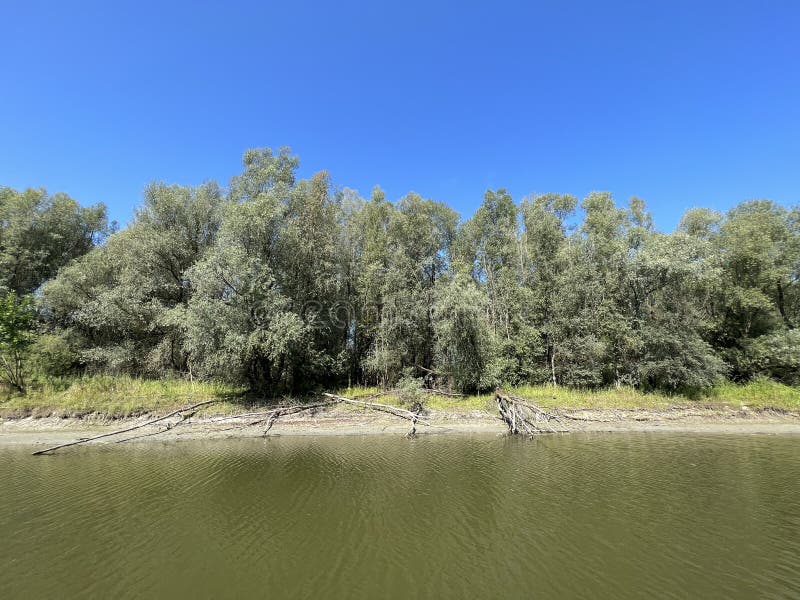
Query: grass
759, 393
117, 397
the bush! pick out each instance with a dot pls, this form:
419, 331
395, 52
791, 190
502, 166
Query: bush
776, 355
50, 356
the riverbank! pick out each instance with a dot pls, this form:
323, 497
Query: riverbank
339, 420
98, 405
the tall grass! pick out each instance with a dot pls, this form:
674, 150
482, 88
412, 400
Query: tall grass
758, 393
114, 396
119, 396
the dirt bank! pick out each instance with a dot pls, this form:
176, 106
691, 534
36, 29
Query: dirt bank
346, 421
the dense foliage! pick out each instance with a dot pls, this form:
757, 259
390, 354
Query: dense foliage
287, 284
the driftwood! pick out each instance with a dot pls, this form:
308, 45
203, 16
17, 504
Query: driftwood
524, 417
431, 391
290, 410
520, 416
417, 410
414, 417
193, 408
265, 417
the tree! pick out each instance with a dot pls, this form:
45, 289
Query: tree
17, 321
489, 243
464, 344
415, 254
125, 300
757, 246
39, 234
287, 284
544, 254
264, 296
667, 276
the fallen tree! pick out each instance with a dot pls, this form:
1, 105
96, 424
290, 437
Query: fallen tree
413, 416
520, 417
267, 417
180, 412
524, 417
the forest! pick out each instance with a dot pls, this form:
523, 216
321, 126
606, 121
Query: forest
287, 285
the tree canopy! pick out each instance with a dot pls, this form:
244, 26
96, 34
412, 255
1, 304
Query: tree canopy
286, 284
40, 233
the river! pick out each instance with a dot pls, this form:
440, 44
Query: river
448, 516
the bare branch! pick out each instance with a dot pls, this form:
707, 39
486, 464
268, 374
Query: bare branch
127, 429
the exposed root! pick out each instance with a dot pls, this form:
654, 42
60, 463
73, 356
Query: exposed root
522, 417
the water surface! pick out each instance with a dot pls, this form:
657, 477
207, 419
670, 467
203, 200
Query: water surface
576, 516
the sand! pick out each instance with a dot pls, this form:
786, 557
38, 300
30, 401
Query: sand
38, 433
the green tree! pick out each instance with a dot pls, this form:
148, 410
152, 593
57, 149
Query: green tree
124, 301
287, 284
39, 234
463, 337
757, 246
266, 293
17, 322
544, 260
416, 254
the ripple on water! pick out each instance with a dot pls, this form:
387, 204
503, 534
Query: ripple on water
601, 516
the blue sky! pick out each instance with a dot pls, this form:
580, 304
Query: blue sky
680, 103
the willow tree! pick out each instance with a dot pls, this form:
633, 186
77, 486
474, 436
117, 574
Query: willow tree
123, 302
287, 284
17, 322
758, 247
490, 243
369, 227
544, 254
464, 342
410, 254
40, 233
265, 295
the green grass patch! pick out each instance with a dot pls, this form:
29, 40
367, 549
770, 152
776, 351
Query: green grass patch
622, 397
120, 396
467, 403
758, 393
115, 397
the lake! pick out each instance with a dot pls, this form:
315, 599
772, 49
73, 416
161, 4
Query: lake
447, 516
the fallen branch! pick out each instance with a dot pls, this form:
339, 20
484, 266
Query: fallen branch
193, 407
291, 410
565, 415
521, 416
387, 408
268, 417
395, 392
417, 411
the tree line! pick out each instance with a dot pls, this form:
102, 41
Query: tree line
285, 285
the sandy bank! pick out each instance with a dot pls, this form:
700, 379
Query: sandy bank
53, 430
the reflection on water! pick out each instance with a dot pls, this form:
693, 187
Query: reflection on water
577, 516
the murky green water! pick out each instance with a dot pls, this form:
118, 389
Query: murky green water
578, 516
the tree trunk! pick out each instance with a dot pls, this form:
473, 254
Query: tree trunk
782, 306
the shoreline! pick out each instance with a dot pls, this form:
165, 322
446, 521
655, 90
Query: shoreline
39, 431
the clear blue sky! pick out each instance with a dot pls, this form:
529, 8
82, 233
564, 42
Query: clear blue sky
680, 103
